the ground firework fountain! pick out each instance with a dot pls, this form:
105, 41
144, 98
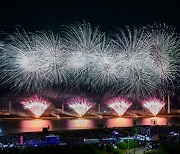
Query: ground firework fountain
36, 105
118, 104
154, 105
80, 105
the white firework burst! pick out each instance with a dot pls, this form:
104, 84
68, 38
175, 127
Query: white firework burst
136, 62
82, 42
133, 50
2, 56
91, 56
53, 50
32, 61
165, 51
104, 71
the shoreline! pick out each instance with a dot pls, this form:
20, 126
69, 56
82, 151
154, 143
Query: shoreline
98, 124
92, 117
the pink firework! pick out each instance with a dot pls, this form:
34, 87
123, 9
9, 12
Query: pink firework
154, 105
119, 104
36, 105
80, 105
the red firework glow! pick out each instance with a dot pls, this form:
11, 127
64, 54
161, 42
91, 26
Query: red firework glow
118, 104
36, 105
154, 105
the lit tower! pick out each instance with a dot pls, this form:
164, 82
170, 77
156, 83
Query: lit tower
10, 107
164, 107
99, 108
62, 107
169, 107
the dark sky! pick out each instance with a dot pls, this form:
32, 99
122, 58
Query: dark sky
35, 15
50, 15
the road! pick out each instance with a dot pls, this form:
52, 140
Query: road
137, 150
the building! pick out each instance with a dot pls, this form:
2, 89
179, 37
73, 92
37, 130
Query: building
50, 140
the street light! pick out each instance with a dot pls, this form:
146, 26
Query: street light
128, 140
134, 145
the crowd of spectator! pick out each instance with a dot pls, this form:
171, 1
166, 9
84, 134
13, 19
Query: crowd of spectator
164, 135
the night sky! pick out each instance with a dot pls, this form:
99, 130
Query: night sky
51, 15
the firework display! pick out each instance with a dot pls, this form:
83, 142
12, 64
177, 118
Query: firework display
118, 104
90, 56
80, 105
36, 105
33, 61
134, 62
133, 48
165, 51
154, 105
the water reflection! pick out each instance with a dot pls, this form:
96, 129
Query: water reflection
13, 126
34, 125
119, 122
80, 124
154, 121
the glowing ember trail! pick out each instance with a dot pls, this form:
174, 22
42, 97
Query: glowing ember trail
118, 104
154, 105
36, 105
80, 105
